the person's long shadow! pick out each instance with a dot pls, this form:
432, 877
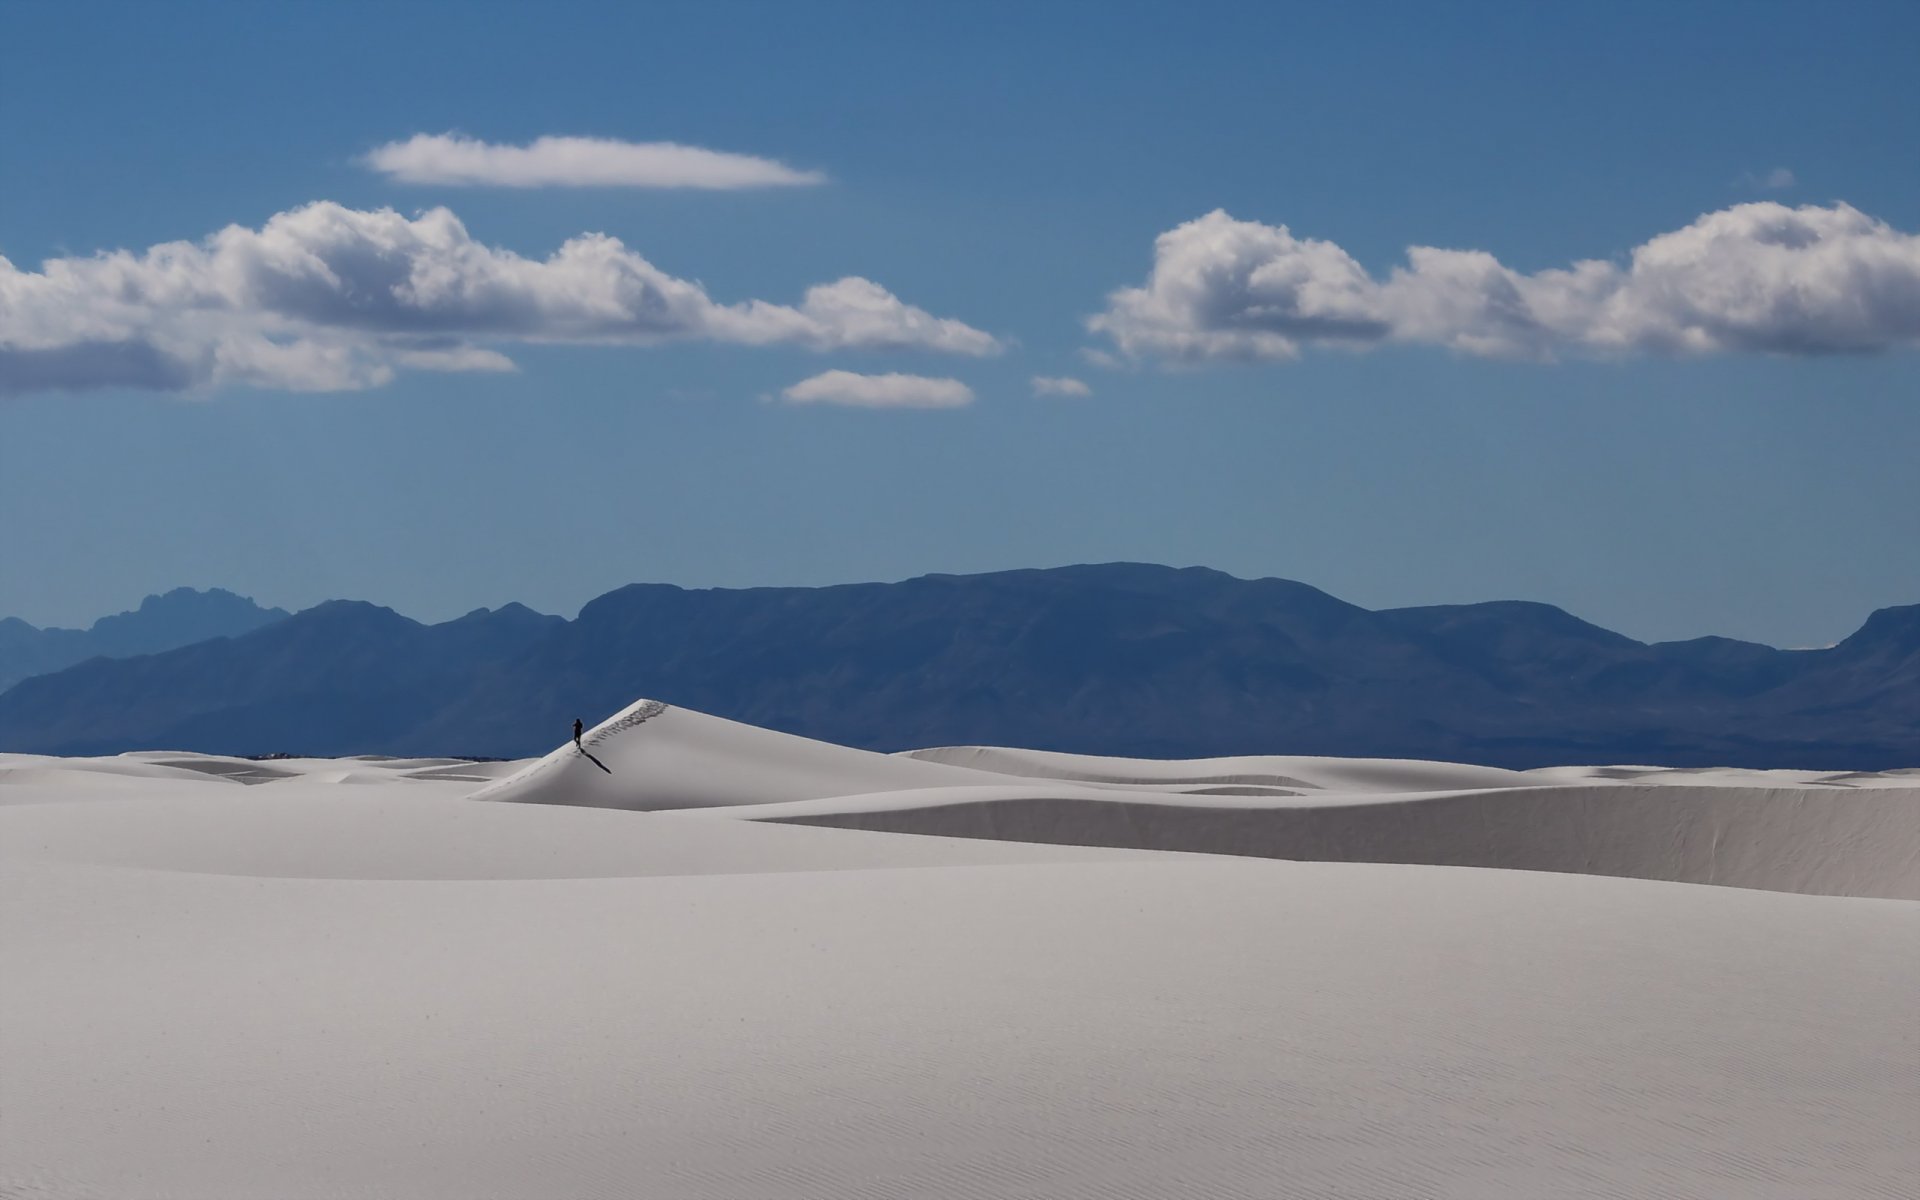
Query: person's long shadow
590, 758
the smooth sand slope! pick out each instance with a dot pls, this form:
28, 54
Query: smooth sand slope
315, 978
1843, 835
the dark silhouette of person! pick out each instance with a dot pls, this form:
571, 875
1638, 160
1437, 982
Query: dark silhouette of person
577, 727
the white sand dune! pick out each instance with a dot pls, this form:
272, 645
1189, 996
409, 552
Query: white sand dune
1311, 774
1782, 831
1833, 843
653, 757
350, 979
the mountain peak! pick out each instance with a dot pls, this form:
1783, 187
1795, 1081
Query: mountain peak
164, 621
350, 610
1896, 628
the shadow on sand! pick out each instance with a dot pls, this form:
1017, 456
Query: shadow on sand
596, 762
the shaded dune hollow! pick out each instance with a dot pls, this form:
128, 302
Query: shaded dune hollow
1833, 843
1770, 830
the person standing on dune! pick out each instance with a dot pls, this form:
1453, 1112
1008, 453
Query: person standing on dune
577, 727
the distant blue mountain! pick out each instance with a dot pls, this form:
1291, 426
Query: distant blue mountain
178, 618
343, 677
1113, 659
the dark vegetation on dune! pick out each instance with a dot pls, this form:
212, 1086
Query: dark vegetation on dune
1115, 659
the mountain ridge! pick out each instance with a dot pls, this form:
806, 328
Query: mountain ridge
163, 621
1114, 658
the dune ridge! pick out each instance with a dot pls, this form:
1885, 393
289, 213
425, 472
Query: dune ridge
1842, 834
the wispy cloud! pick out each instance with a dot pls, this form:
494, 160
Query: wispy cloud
1755, 278
448, 158
1058, 385
1776, 180
879, 391
326, 297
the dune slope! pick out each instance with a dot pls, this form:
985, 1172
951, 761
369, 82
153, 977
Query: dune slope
650, 756
228, 979
356, 982
1848, 835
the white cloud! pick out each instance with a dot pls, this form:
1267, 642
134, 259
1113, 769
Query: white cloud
449, 158
1755, 277
879, 391
1059, 385
324, 298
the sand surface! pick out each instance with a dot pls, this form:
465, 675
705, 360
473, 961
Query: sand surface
1853, 834
351, 978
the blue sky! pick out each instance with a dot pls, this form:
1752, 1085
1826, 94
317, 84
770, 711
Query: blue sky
1717, 434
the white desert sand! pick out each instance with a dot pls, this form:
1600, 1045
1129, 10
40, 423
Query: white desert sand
354, 978
1849, 835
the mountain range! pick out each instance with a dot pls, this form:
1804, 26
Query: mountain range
1123, 658
179, 618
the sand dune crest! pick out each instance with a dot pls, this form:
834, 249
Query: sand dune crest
1858, 835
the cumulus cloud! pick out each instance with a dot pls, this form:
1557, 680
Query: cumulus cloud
1756, 278
1058, 385
325, 298
879, 391
449, 158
